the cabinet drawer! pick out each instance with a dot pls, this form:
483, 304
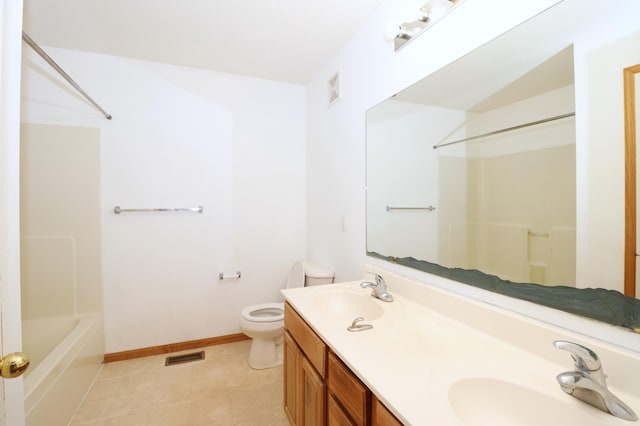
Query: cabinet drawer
312, 346
349, 391
336, 415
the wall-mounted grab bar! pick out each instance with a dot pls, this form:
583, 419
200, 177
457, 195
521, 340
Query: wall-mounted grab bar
199, 209
508, 129
430, 208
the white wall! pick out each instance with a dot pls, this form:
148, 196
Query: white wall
372, 71
183, 137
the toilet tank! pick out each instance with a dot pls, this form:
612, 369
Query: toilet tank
316, 274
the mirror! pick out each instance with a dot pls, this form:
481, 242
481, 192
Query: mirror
472, 171
631, 117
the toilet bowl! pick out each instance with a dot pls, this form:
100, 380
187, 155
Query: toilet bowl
264, 322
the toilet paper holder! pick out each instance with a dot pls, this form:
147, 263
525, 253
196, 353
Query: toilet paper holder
237, 276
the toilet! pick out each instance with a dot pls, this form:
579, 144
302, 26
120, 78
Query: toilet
264, 323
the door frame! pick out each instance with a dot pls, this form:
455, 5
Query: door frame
630, 249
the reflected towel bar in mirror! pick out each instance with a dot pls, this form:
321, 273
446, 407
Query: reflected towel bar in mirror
199, 209
430, 208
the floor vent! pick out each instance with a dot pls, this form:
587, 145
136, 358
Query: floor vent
181, 359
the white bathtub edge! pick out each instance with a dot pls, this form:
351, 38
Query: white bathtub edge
43, 385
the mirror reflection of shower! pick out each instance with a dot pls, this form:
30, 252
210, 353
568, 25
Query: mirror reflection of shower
501, 182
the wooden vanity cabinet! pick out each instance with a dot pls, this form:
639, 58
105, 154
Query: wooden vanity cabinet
305, 355
319, 389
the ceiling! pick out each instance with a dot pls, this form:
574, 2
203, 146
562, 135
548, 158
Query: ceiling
285, 40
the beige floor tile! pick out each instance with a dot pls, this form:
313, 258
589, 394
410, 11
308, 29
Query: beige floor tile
92, 412
137, 419
213, 412
169, 414
104, 389
220, 390
137, 384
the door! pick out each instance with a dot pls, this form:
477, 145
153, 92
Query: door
11, 391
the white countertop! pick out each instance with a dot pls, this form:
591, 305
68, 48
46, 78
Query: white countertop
417, 359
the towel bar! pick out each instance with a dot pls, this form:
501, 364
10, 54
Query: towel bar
199, 209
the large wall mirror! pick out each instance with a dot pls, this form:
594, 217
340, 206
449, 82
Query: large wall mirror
475, 167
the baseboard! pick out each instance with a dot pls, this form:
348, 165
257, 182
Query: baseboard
173, 347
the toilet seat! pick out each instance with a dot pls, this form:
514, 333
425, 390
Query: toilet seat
264, 312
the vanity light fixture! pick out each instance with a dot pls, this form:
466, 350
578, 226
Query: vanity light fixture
430, 13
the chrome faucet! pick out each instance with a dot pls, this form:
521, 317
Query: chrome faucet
378, 289
588, 382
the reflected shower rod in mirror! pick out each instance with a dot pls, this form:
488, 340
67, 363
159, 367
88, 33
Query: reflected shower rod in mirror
508, 129
60, 71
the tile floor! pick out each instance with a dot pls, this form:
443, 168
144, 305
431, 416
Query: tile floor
221, 390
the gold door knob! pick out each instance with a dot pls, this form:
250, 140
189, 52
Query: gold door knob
13, 365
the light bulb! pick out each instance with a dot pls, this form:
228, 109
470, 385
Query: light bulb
437, 8
391, 30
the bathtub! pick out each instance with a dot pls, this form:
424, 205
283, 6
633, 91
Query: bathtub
63, 371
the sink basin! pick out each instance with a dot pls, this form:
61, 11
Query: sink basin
346, 305
493, 402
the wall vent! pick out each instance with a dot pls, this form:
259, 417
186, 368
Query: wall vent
181, 359
334, 88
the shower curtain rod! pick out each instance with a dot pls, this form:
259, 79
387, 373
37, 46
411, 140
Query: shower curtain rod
508, 129
56, 67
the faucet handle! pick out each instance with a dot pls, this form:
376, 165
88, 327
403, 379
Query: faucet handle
585, 359
379, 279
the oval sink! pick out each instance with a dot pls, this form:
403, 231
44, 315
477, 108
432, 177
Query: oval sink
491, 402
348, 305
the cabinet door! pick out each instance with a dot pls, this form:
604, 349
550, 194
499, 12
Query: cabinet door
381, 416
292, 366
313, 392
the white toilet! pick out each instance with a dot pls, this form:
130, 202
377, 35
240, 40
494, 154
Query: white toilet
264, 323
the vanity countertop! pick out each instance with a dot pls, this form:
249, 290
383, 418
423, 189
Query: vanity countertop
486, 365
